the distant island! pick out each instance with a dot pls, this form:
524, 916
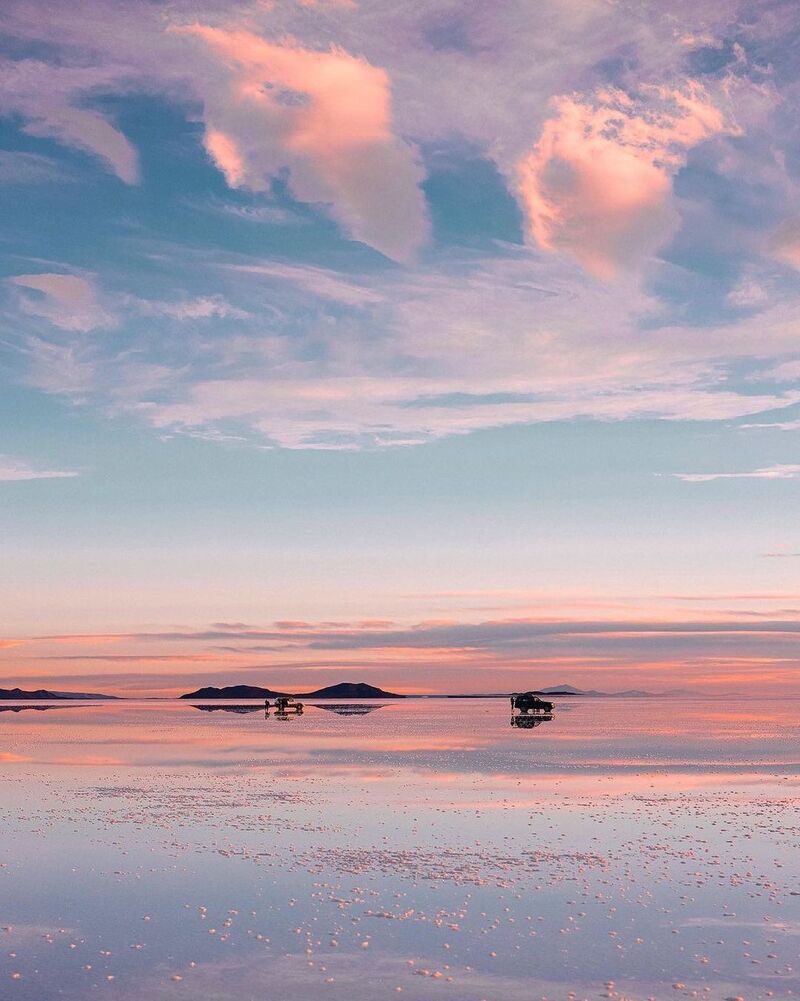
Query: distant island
43, 695
344, 690
351, 690
234, 692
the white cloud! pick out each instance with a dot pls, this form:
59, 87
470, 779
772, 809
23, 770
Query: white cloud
319, 281
203, 307
440, 353
790, 471
48, 98
748, 293
327, 360
13, 469
67, 301
88, 130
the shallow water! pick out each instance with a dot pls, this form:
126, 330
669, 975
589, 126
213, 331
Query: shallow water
625, 848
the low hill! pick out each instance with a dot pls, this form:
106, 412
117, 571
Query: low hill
233, 692
43, 695
631, 693
351, 690
571, 690
565, 690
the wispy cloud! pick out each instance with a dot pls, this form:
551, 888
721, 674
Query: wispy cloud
203, 307
394, 359
319, 281
17, 167
787, 471
494, 634
12, 469
49, 100
67, 301
706, 648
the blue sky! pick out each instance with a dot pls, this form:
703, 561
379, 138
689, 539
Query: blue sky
384, 316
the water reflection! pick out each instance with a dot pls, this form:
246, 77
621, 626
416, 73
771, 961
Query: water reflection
533, 710
21, 709
529, 721
648, 848
284, 711
348, 709
285, 708
227, 709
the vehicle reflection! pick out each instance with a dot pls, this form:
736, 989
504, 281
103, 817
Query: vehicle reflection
285, 707
529, 721
533, 710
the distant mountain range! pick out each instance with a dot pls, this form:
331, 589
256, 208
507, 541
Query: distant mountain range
568, 690
345, 690
631, 693
43, 695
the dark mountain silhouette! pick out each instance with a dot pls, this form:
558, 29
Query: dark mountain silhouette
346, 690
351, 690
234, 692
86, 695
17, 694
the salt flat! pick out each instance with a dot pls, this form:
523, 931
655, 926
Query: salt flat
630, 848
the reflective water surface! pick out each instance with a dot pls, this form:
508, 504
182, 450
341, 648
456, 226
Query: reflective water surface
616, 848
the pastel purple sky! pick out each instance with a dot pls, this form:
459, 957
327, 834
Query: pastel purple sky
439, 344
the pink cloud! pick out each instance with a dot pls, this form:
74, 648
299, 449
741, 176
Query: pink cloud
89, 131
67, 301
326, 115
48, 99
225, 154
785, 243
598, 184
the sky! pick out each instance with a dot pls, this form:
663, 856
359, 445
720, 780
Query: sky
451, 347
